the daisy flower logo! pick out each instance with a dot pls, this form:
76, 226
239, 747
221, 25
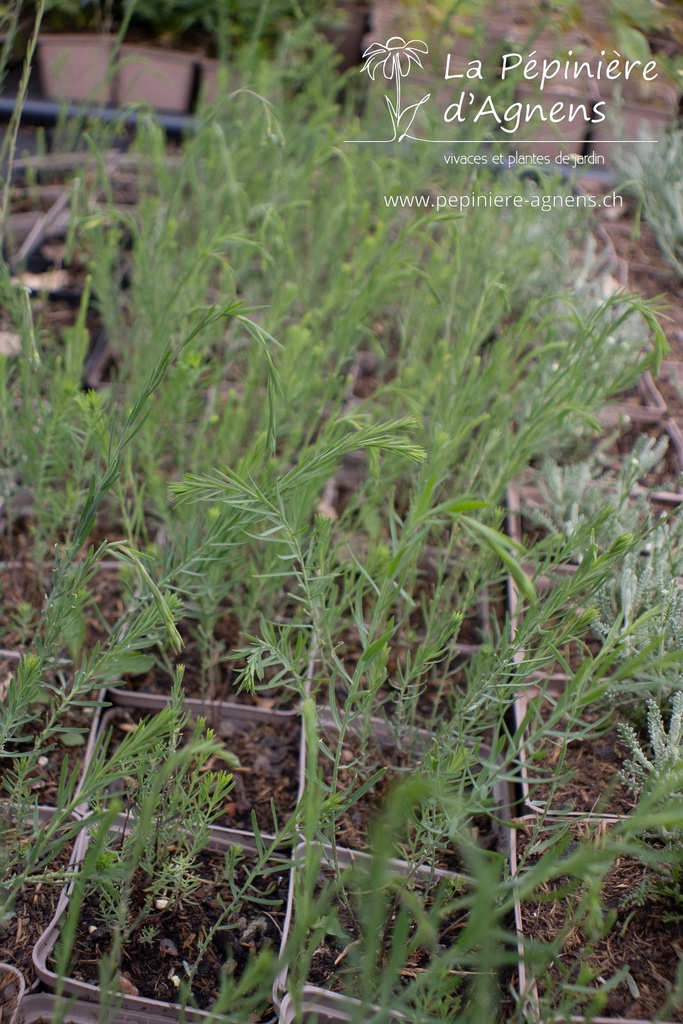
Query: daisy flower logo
395, 59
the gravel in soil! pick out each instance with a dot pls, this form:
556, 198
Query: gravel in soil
269, 757
162, 942
640, 940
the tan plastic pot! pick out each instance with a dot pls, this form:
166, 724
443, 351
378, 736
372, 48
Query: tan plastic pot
44, 1008
164, 79
209, 708
77, 68
140, 1007
12, 988
334, 1006
526, 983
209, 73
321, 1007
236, 715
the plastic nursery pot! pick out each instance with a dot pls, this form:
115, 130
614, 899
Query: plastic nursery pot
209, 79
526, 926
44, 1008
49, 769
270, 748
151, 689
11, 993
148, 1007
384, 745
320, 1007
347, 37
76, 67
209, 708
335, 1006
633, 121
35, 905
162, 78
595, 762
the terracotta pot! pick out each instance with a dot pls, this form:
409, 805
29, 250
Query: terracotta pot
11, 993
164, 79
77, 68
149, 1008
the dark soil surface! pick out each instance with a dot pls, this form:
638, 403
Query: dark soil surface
269, 756
9, 994
641, 939
160, 944
594, 762
268, 753
68, 744
212, 677
336, 962
33, 910
353, 829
